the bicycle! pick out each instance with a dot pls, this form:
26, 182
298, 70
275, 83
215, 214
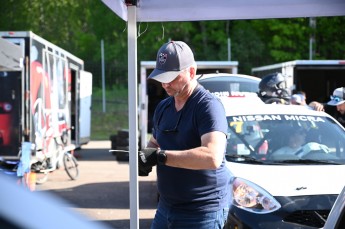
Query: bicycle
70, 165
64, 157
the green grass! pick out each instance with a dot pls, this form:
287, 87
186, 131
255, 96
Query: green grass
104, 124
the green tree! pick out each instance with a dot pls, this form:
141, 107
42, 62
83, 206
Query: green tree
79, 26
248, 46
329, 38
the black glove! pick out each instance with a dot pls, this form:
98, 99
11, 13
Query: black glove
144, 170
148, 156
146, 159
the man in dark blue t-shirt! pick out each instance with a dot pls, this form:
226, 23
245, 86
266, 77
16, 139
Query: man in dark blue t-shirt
187, 145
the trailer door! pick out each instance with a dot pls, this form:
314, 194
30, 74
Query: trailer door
85, 106
11, 100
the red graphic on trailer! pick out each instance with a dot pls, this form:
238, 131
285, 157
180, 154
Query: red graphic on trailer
9, 101
5, 122
48, 93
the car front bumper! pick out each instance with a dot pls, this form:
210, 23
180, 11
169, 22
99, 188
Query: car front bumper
296, 212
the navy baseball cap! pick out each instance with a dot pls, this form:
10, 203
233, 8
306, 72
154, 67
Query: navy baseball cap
172, 58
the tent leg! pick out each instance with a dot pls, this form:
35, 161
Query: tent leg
133, 117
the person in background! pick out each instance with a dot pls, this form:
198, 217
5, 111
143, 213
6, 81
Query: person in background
187, 146
303, 97
294, 144
297, 146
300, 98
272, 89
317, 106
297, 99
338, 100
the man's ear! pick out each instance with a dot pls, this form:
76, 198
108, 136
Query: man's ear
192, 72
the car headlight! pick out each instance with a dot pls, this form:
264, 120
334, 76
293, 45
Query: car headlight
250, 197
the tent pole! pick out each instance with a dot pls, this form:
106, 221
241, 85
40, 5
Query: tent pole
133, 117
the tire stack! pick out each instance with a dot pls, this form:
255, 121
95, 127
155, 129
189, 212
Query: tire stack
120, 141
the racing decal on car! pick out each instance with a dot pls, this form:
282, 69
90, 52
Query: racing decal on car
243, 118
233, 94
221, 93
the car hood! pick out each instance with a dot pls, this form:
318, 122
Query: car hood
292, 180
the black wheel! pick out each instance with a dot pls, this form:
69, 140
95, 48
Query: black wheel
71, 165
122, 155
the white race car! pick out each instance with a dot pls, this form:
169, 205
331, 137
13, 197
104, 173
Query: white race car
287, 164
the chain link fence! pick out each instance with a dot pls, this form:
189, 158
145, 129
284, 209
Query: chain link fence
116, 74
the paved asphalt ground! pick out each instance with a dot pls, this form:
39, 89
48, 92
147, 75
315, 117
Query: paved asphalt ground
101, 192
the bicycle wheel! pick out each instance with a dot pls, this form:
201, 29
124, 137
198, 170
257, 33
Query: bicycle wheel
71, 165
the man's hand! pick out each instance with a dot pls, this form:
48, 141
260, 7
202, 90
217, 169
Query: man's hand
146, 159
317, 106
148, 156
144, 170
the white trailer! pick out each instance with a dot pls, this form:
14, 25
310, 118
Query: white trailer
318, 78
47, 102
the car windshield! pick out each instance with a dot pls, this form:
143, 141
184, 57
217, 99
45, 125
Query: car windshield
224, 86
286, 139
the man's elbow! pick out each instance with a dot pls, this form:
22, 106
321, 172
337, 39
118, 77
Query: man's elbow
216, 163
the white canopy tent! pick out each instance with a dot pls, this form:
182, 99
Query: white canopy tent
11, 56
134, 11
202, 10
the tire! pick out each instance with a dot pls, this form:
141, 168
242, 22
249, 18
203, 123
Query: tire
71, 165
122, 156
123, 133
113, 139
122, 141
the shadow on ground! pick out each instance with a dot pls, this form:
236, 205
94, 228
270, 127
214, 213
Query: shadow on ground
124, 224
111, 195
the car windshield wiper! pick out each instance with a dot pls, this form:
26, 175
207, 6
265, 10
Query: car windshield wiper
308, 161
242, 158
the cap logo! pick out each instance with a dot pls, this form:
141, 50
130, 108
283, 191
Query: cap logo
336, 98
162, 58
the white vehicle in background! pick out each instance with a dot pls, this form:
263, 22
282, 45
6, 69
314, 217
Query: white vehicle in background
226, 84
273, 189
